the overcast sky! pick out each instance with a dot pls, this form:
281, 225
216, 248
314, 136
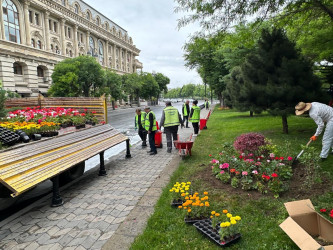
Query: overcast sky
152, 24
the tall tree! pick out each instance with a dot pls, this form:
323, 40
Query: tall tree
80, 76
276, 76
217, 15
113, 86
150, 87
162, 82
132, 84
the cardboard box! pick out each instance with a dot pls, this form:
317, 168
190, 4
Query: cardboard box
304, 222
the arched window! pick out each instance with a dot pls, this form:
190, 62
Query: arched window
33, 43
63, 2
52, 47
98, 21
11, 21
70, 53
91, 46
100, 52
88, 16
39, 44
40, 71
17, 69
76, 9
56, 48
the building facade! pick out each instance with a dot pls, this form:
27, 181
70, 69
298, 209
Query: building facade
37, 34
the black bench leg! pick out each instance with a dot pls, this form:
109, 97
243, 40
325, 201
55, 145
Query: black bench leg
56, 199
128, 153
102, 171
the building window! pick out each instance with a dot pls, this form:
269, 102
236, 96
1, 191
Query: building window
30, 16
63, 2
33, 43
98, 22
39, 44
100, 52
11, 21
81, 38
36, 18
88, 16
57, 49
52, 47
55, 26
70, 53
91, 46
17, 69
50, 24
69, 32
76, 9
40, 71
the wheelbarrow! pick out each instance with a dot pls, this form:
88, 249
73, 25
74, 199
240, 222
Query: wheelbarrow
184, 147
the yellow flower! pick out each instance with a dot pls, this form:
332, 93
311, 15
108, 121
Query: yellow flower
223, 224
213, 212
233, 222
217, 214
237, 218
227, 224
189, 183
211, 216
185, 207
189, 210
170, 190
183, 194
225, 211
186, 188
229, 215
177, 190
205, 193
201, 204
207, 204
180, 206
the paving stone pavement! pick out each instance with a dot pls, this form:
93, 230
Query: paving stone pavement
99, 212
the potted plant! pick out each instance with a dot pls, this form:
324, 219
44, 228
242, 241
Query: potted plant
195, 207
179, 191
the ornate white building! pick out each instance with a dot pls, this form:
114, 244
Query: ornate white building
37, 34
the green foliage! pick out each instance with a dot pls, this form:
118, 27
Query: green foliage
80, 76
162, 82
150, 87
113, 85
2, 102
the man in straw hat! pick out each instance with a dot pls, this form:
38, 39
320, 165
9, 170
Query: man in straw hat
321, 114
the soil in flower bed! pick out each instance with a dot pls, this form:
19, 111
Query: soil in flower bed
296, 185
205, 227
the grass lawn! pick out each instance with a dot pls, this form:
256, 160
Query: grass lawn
260, 217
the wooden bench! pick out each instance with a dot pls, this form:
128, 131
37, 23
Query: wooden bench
23, 167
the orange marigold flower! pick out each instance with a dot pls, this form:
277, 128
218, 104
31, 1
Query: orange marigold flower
225, 211
205, 193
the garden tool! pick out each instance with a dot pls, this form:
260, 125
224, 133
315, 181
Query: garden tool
295, 161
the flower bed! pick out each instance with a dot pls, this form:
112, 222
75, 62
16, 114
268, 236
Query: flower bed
46, 122
253, 166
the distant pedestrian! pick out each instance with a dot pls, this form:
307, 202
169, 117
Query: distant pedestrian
195, 116
207, 104
186, 112
170, 120
140, 125
150, 126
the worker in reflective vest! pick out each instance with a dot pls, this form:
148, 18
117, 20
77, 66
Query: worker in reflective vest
207, 104
140, 125
150, 126
186, 112
195, 117
170, 120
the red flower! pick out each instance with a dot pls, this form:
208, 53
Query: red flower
289, 158
210, 155
237, 172
331, 216
281, 158
240, 157
323, 210
232, 170
274, 175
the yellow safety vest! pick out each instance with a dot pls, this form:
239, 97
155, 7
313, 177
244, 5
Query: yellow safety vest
171, 116
185, 109
147, 122
143, 117
196, 114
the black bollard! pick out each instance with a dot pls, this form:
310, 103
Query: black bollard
128, 153
102, 170
56, 199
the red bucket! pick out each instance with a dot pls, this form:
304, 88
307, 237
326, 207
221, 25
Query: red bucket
203, 123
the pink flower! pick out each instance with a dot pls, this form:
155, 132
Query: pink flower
268, 161
271, 155
254, 172
225, 165
289, 158
214, 161
222, 172
244, 173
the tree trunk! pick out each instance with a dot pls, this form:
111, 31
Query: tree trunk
285, 124
251, 113
112, 102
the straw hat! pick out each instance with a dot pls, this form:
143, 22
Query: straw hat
301, 107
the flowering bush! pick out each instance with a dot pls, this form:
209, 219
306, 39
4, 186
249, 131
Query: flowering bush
180, 190
251, 170
250, 142
196, 206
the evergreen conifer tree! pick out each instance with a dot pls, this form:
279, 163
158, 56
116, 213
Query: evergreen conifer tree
276, 77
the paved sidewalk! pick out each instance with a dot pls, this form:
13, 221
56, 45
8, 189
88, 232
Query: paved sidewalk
99, 211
